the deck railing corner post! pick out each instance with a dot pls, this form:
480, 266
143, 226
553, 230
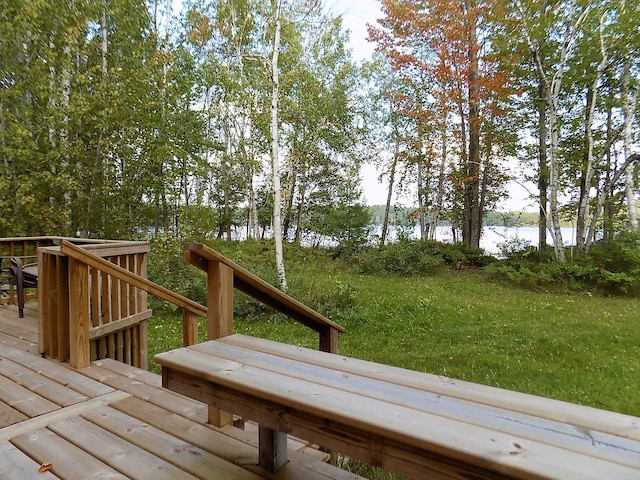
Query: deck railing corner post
79, 314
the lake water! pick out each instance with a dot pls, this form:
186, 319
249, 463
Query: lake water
493, 236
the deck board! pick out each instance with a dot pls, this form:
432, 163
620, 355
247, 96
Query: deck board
66, 459
113, 421
9, 415
132, 461
16, 465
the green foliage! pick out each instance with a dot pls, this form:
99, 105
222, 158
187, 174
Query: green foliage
417, 257
168, 268
610, 267
349, 226
580, 347
620, 255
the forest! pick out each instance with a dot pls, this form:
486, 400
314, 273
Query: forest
245, 118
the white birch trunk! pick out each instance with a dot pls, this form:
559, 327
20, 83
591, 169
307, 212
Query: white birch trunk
628, 100
553, 95
583, 235
275, 160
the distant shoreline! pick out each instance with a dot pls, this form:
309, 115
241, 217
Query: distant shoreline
517, 218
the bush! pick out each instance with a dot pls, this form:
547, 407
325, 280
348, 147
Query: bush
620, 255
419, 257
611, 268
167, 267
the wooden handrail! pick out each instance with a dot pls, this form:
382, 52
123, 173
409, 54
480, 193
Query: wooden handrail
117, 271
200, 256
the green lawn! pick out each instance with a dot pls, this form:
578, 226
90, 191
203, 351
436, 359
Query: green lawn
579, 348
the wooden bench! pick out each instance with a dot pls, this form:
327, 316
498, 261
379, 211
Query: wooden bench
418, 425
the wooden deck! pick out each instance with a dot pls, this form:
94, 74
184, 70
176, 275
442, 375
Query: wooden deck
114, 421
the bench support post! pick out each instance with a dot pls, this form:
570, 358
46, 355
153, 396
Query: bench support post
273, 449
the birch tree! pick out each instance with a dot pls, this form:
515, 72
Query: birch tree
551, 81
629, 103
275, 147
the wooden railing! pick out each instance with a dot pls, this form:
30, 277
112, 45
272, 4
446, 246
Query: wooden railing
114, 313
107, 313
223, 275
27, 249
93, 298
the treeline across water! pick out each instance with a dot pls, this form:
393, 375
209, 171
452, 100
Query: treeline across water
403, 216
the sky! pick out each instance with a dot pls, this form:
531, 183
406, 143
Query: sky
356, 14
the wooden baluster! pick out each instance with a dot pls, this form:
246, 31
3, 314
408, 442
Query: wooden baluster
140, 339
63, 335
46, 312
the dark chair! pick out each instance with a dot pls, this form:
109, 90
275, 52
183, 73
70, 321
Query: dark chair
22, 276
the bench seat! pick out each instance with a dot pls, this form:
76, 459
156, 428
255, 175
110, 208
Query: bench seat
419, 425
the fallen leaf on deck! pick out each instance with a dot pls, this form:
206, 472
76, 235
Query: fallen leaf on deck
45, 467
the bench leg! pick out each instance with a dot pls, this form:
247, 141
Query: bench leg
272, 445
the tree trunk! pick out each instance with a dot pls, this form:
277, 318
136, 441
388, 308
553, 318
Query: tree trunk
392, 178
472, 225
441, 179
300, 215
291, 188
253, 227
584, 237
543, 168
627, 106
552, 90
586, 177
275, 160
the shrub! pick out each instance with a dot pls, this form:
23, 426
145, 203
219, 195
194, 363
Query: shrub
611, 268
620, 255
419, 257
166, 266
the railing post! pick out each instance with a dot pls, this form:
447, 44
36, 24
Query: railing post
328, 341
219, 300
79, 313
141, 334
62, 323
219, 319
46, 315
189, 328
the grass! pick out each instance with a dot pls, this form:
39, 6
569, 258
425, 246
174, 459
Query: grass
573, 347
578, 348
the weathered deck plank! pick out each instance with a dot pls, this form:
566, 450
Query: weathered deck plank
9, 415
67, 460
154, 395
60, 373
188, 457
24, 400
51, 390
19, 343
130, 460
15, 465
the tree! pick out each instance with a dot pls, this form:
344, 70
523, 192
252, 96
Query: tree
585, 68
275, 147
319, 119
441, 40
